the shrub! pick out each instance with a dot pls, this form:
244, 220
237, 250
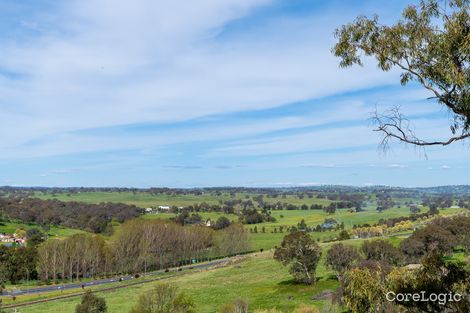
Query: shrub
237, 306
164, 298
91, 304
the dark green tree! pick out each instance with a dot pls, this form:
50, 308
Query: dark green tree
34, 237
302, 253
458, 226
222, 222
381, 251
425, 240
341, 258
343, 235
302, 225
91, 304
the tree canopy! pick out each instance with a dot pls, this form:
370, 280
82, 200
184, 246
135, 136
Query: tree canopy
91, 304
430, 45
302, 253
341, 258
164, 298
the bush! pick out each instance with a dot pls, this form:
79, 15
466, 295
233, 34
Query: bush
222, 222
344, 235
91, 304
164, 298
341, 258
381, 251
237, 306
428, 239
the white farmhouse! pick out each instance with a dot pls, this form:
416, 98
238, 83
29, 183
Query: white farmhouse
150, 210
164, 208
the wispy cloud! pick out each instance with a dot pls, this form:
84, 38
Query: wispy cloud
320, 165
89, 72
396, 166
183, 167
128, 90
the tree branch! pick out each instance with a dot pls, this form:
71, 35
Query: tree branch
394, 125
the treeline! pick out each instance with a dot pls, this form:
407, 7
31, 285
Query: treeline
234, 206
330, 208
421, 264
370, 277
332, 192
96, 218
442, 235
390, 222
17, 263
138, 246
252, 216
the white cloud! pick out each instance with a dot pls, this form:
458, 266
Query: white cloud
310, 165
120, 62
62, 171
397, 166
346, 137
112, 63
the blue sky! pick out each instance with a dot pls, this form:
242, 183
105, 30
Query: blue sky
202, 93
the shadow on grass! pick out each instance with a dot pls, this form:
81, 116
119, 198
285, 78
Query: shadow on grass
293, 282
289, 282
291, 287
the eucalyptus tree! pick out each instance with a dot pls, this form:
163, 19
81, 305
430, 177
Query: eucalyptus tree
430, 46
301, 253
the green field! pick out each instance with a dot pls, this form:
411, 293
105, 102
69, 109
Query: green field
205, 215
269, 239
145, 199
141, 199
258, 278
54, 231
263, 282
266, 240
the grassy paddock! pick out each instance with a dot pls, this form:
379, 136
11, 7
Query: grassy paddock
145, 199
205, 215
259, 279
54, 231
269, 239
142, 199
263, 282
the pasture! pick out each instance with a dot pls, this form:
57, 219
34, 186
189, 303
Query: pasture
263, 282
53, 231
257, 278
146, 199
260, 240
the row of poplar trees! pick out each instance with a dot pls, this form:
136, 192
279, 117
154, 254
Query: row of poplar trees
138, 246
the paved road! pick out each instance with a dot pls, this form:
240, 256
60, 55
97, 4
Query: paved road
36, 290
